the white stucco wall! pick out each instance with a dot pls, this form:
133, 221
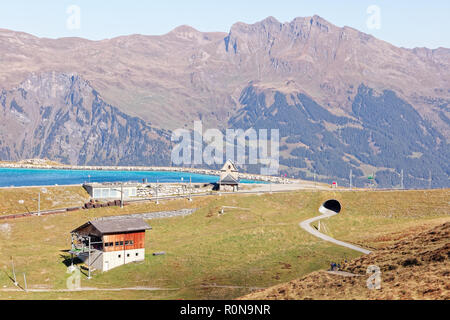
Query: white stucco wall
115, 259
113, 192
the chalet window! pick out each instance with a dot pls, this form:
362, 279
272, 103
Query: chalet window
106, 244
117, 243
131, 242
137, 254
127, 243
128, 255
121, 243
120, 256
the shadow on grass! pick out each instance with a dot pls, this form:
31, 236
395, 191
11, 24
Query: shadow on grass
68, 261
12, 280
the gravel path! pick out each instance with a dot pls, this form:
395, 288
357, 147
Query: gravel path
306, 225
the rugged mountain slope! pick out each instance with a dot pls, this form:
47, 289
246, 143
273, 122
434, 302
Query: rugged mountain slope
60, 116
354, 102
193, 74
160, 79
415, 267
381, 131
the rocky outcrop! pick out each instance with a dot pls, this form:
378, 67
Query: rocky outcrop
61, 117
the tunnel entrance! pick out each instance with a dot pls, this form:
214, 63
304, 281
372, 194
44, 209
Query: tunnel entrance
333, 205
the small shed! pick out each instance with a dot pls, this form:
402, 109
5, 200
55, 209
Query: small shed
108, 243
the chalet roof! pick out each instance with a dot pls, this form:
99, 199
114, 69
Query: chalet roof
111, 225
228, 179
229, 165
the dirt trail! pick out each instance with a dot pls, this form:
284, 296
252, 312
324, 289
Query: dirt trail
306, 225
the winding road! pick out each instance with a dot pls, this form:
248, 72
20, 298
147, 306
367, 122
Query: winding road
306, 225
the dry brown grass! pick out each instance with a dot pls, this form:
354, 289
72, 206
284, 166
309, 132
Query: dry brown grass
258, 248
416, 266
54, 198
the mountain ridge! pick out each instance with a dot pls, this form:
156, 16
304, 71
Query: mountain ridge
170, 81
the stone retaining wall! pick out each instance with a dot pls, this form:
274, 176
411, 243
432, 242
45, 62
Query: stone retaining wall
155, 215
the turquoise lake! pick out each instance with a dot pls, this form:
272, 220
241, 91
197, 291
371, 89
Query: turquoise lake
44, 177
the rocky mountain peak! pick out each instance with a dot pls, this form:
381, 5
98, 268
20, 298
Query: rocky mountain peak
248, 38
188, 33
57, 89
59, 82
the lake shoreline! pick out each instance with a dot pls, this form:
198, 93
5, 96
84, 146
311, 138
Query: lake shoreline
209, 172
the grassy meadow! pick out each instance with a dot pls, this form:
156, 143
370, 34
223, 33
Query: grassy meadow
51, 198
212, 256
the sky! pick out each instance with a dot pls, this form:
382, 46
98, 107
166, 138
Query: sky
413, 23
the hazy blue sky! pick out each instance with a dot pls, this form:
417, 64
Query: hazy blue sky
413, 23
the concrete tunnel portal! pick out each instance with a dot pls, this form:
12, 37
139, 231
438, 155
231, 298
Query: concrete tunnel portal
332, 205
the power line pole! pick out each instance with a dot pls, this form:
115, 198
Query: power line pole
39, 204
89, 258
121, 195
402, 185
25, 281
190, 188
374, 180
430, 181
157, 201
14, 272
351, 179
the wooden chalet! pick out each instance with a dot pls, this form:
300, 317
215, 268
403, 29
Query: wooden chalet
108, 243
